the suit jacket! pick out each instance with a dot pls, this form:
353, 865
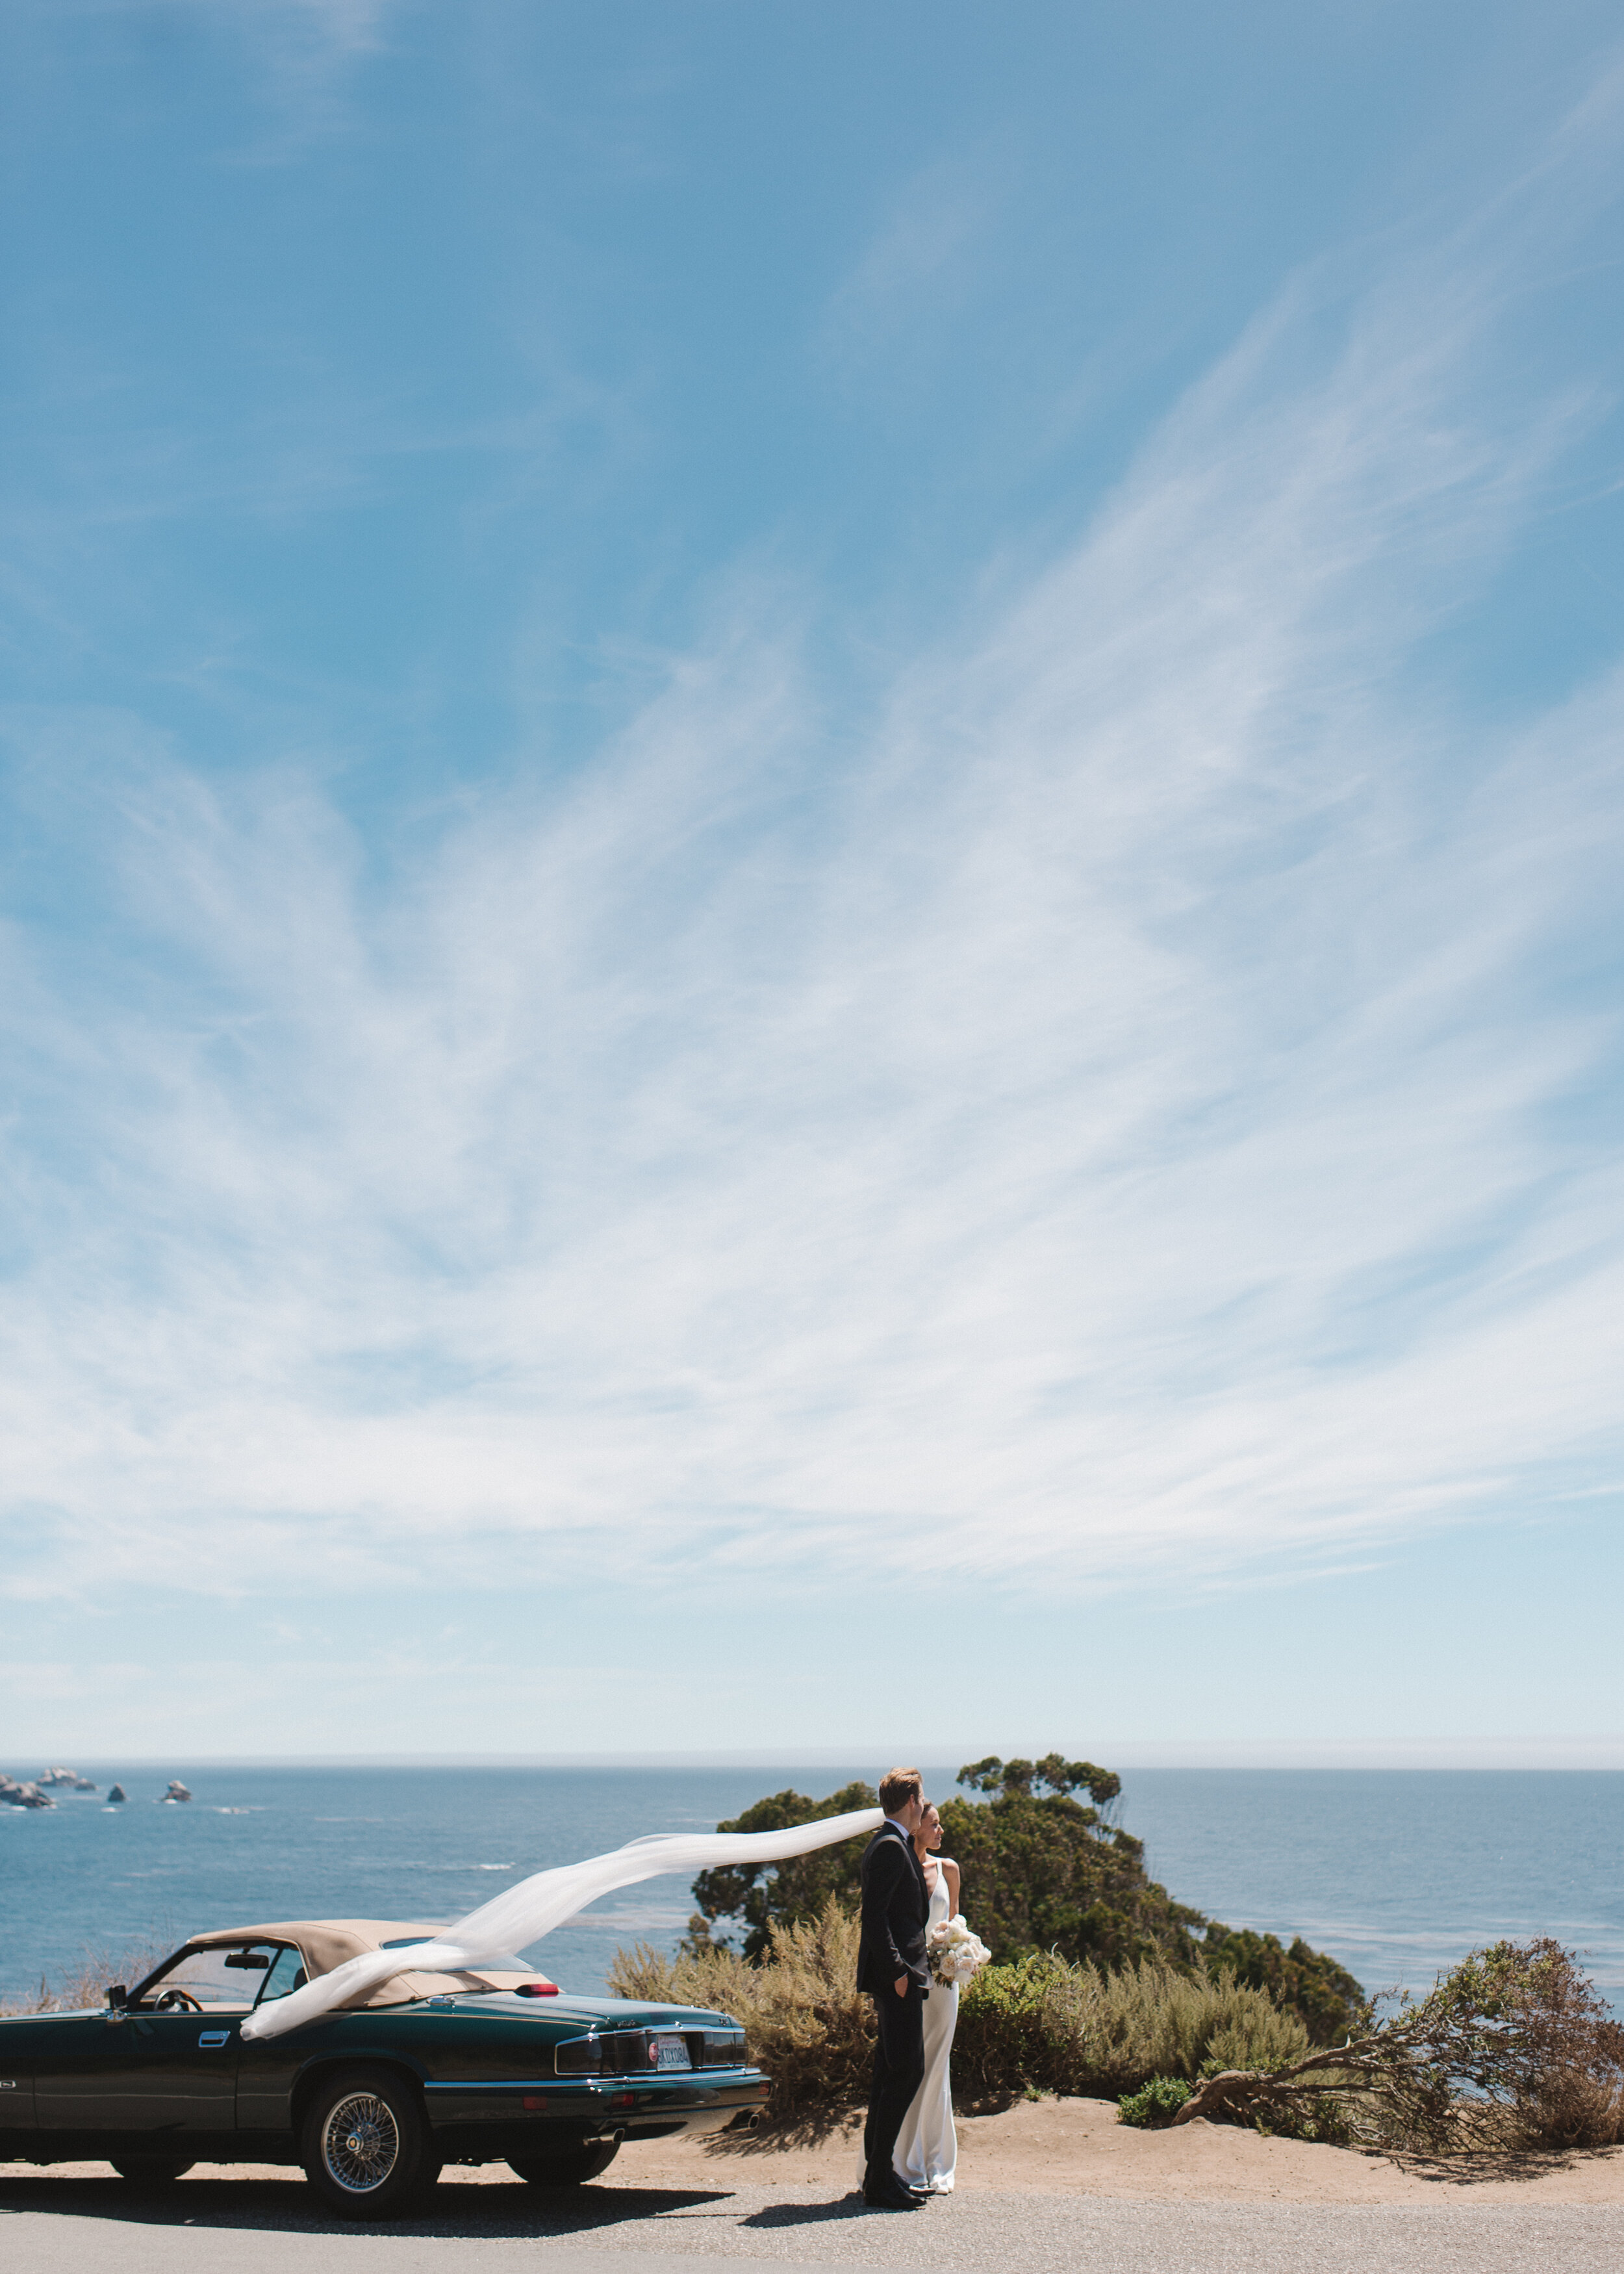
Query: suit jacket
895, 1906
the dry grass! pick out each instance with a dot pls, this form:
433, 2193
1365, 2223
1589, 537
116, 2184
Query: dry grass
85, 1984
807, 2024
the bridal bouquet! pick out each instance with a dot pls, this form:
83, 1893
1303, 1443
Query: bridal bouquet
953, 1953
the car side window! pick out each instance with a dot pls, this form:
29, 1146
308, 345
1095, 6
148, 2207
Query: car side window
286, 1976
211, 1981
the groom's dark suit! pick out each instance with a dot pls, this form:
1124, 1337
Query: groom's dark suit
896, 1905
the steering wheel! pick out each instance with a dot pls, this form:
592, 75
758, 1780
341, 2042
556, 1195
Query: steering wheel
174, 2001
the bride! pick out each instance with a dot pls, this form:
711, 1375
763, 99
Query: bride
927, 2146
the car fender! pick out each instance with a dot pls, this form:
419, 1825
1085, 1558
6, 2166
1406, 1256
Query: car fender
331, 2061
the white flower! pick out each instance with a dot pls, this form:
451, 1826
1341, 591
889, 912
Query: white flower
954, 1953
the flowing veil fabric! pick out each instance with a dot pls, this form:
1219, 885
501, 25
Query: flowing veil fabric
521, 1915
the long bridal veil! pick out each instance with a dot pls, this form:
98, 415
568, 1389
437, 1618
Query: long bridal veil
521, 1915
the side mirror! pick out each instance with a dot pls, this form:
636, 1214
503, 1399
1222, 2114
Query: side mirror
118, 1998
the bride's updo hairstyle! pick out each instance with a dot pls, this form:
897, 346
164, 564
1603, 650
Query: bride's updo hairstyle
899, 1787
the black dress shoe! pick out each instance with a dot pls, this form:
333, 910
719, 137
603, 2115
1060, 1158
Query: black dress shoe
895, 2197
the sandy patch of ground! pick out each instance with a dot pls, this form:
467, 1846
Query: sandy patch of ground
1076, 2147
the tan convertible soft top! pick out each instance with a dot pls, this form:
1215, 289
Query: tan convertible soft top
324, 1944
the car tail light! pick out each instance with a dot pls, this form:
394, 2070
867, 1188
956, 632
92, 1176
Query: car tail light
536, 1989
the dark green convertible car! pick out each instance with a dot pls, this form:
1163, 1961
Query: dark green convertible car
428, 2069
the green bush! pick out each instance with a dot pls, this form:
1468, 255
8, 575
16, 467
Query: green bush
1004, 2044
1079, 2030
1153, 2105
1309, 1980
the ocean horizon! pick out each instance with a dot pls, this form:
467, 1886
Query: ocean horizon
1397, 1872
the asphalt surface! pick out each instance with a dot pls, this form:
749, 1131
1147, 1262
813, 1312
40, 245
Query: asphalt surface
86, 2226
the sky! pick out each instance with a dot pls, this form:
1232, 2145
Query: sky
809, 832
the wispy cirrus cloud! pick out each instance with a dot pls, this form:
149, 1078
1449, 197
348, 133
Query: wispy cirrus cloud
920, 262
1128, 1101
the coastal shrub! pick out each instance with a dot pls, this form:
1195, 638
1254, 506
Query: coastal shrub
1511, 2050
806, 2023
1048, 1871
1154, 2105
1110, 2033
1309, 1982
1082, 2031
1041, 2024
1005, 2041
1565, 2051
1571, 2107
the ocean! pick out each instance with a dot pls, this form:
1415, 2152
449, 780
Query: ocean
1396, 1872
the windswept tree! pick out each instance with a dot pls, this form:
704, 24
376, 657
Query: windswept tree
1051, 1871
762, 1896
1051, 1774
1514, 2048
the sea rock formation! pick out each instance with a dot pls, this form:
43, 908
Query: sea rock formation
13, 1794
176, 1791
117, 1794
69, 1778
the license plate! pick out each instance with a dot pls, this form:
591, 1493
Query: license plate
669, 2052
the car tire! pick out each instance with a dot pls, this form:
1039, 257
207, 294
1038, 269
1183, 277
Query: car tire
367, 2149
150, 2170
566, 2167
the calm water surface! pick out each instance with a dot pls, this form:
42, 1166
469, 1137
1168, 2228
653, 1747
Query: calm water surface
1397, 1873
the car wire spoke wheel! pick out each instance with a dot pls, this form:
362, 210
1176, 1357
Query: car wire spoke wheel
360, 2142
366, 2145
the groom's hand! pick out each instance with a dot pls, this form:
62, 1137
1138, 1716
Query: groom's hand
902, 1985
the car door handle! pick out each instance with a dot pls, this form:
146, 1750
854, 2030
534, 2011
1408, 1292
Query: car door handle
216, 2037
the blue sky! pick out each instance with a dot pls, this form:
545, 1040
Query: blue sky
810, 846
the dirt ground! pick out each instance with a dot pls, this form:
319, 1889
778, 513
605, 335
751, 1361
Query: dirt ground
1078, 2148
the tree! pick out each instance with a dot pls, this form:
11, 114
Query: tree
1045, 1871
1052, 1773
1050, 1872
768, 1894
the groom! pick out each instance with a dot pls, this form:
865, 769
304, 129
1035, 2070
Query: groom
891, 1966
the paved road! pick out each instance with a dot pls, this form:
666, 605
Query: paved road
88, 2227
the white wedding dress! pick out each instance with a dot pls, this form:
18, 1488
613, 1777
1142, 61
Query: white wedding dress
927, 2147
